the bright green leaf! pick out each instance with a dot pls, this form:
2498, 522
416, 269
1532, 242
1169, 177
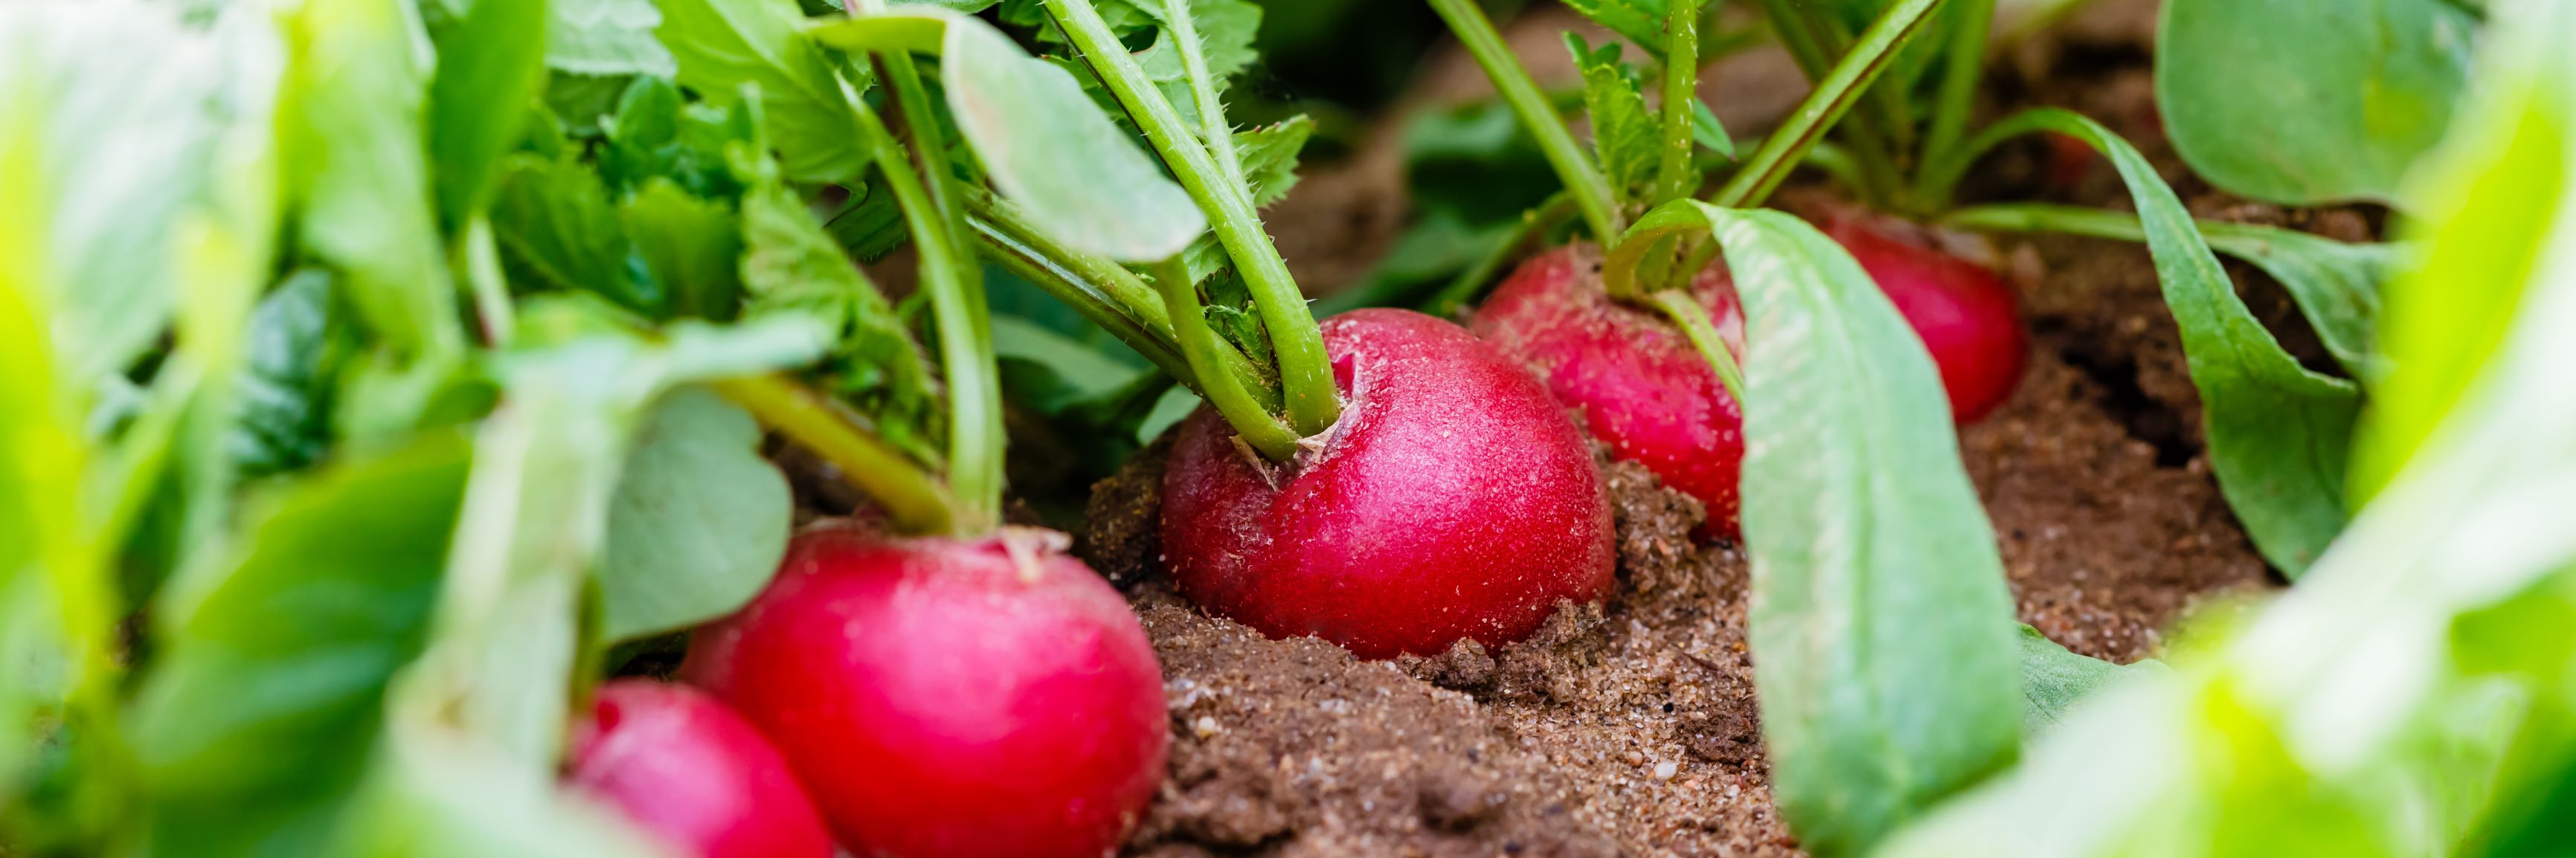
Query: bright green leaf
690, 245
2303, 103
258, 715
1882, 630
490, 64
699, 522
1626, 139
1710, 133
607, 38
723, 44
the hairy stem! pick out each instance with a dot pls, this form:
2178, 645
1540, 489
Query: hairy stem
1573, 166
917, 502
1833, 97
1674, 177
948, 276
1213, 129
1266, 435
1305, 371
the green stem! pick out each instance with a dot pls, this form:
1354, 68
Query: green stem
1959, 79
1686, 311
1254, 424
1675, 179
975, 435
1534, 224
1833, 98
1305, 371
1213, 129
1102, 291
917, 503
1800, 41
480, 259
1573, 166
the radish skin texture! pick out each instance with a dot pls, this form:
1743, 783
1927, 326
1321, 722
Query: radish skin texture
686, 768
1643, 389
1967, 316
1454, 500
945, 698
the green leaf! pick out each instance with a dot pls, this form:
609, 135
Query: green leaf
1049, 148
1049, 372
356, 138
1710, 133
297, 342
1626, 139
1883, 635
792, 268
699, 522
690, 245
655, 134
118, 152
2343, 109
1638, 21
257, 716
2336, 284
557, 229
872, 226
2053, 680
1226, 30
607, 37
2485, 214
723, 44
2279, 435
1270, 156
490, 64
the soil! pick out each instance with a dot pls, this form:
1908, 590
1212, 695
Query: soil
1630, 728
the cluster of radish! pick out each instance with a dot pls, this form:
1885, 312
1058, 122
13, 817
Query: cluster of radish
1394, 483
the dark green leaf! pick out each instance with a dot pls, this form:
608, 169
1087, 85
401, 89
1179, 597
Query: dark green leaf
2279, 435
1882, 630
583, 102
791, 267
606, 37
872, 226
655, 134
290, 362
1269, 156
723, 44
690, 245
2336, 284
257, 718
490, 64
1626, 140
2054, 680
699, 521
2350, 92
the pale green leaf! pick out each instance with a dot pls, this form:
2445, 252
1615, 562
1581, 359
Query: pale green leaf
607, 38
2053, 680
723, 44
2350, 93
699, 522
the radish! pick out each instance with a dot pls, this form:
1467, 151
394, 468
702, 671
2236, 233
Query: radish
1967, 316
1641, 386
949, 698
1454, 500
689, 770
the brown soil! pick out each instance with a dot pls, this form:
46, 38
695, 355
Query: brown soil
1630, 728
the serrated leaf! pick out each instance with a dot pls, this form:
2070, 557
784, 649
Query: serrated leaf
1269, 156
720, 45
1626, 139
690, 245
1639, 21
607, 37
257, 716
656, 134
557, 229
1226, 31
791, 267
699, 521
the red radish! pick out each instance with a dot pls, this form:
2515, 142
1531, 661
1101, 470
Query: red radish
1641, 386
689, 770
1453, 500
947, 698
1967, 316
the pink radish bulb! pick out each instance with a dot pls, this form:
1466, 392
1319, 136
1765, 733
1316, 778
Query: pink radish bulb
1642, 388
693, 773
1968, 318
1454, 500
949, 698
